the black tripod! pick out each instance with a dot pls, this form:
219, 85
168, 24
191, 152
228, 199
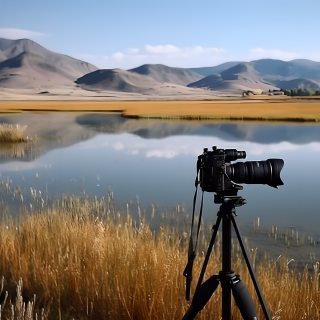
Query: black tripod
230, 282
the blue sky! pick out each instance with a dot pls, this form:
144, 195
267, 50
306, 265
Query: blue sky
188, 33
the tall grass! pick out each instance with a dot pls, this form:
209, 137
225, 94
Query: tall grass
84, 260
11, 133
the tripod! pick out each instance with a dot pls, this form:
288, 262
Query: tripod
230, 282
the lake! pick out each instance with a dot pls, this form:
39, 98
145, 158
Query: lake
154, 162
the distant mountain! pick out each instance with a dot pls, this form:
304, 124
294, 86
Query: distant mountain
162, 73
238, 78
300, 68
207, 71
264, 74
26, 64
117, 80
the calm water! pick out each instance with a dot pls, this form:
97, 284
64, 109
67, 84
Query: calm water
156, 161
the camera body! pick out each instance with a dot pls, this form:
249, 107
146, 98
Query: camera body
213, 164
217, 174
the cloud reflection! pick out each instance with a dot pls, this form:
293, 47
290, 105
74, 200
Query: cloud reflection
188, 145
19, 166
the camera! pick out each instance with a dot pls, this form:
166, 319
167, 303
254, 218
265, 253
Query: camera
217, 174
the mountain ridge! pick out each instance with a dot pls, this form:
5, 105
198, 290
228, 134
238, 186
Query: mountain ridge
26, 64
34, 66
163, 73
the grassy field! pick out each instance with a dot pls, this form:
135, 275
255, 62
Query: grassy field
236, 109
11, 133
79, 258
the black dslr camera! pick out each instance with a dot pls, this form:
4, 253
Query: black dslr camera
217, 174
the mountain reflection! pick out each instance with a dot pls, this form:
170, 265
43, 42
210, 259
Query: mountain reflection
60, 130
264, 133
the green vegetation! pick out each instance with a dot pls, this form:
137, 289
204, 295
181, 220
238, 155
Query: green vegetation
80, 258
11, 133
302, 92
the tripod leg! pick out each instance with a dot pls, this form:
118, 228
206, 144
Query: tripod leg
243, 299
251, 271
204, 290
201, 297
211, 244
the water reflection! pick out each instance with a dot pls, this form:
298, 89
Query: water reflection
54, 131
264, 133
156, 161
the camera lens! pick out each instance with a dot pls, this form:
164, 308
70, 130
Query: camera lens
257, 172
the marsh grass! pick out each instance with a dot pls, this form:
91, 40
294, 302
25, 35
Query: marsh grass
83, 259
11, 133
12, 150
30, 150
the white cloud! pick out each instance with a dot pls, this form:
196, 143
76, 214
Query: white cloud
187, 57
15, 34
259, 53
163, 54
159, 50
118, 56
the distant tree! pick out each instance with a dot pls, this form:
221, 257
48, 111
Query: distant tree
317, 93
299, 93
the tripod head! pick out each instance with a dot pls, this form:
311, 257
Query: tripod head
230, 197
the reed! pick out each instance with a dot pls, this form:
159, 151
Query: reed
11, 133
84, 259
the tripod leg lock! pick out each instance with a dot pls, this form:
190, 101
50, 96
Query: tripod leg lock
235, 279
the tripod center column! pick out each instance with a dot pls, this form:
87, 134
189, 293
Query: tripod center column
225, 210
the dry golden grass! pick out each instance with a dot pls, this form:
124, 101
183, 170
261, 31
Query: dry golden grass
85, 260
11, 133
235, 109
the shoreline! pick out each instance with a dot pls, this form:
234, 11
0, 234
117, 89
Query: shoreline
295, 110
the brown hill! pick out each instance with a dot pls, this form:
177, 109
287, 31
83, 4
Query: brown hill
117, 80
26, 64
162, 73
238, 78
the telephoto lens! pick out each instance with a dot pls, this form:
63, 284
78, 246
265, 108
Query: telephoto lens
257, 172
